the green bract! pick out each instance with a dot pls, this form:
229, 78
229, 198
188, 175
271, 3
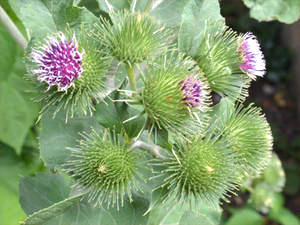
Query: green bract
103, 165
163, 98
220, 60
132, 37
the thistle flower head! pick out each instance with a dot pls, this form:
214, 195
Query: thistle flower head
253, 59
192, 91
60, 62
199, 171
103, 165
71, 67
175, 95
219, 59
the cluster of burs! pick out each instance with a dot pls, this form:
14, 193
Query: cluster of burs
198, 150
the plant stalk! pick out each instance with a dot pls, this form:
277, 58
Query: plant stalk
12, 29
131, 77
154, 149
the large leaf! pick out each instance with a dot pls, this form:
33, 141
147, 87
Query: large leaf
245, 216
136, 5
47, 16
12, 169
194, 17
56, 135
174, 213
33, 199
286, 11
17, 111
42, 191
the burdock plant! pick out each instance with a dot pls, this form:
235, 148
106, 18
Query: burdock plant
157, 141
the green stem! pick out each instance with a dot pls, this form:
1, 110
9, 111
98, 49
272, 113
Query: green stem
12, 29
131, 77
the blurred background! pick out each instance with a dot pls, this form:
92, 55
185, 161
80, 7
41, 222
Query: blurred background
278, 93
273, 198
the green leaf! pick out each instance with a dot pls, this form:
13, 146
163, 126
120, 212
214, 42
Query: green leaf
286, 11
168, 12
171, 212
10, 209
33, 198
246, 217
137, 5
194, 17
285, 217
43, 215
105, 5
17, 111
56, 135
205, 216
42, 191
112, 115
166, 215
47, 16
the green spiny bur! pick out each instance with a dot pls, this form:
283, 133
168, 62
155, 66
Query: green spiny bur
250, 137
105, 167
133, 37
163, 97
219, 58
198, 171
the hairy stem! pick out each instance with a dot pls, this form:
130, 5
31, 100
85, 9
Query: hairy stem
131, 76
154, 149
12, 29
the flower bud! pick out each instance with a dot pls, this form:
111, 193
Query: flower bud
198, 171
219, 58
250, 137
133, 37
104, 166
175, 94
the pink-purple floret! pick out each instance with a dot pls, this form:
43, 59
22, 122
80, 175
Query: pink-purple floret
60, 62
192, 91
253, 59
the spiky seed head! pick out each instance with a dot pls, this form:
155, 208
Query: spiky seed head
133, 37
175, 94
103, 165
60, 62
219, 58
73, 66
253, 62
198, 171
250, 137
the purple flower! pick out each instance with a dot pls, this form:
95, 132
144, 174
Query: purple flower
60, 62
253, 63
192, 90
